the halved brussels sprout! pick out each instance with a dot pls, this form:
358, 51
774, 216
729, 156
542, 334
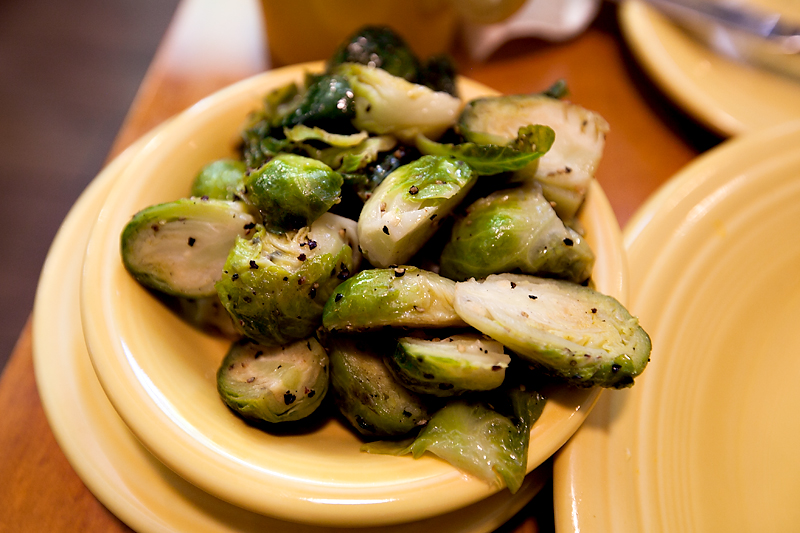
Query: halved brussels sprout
405, 210
219, 180
180, 247
386, 104
566, 170
206, 314
292, 191
378, 46
404, 296
515, 230
366, 393
450, 366
274, 383
570, 331
275, 286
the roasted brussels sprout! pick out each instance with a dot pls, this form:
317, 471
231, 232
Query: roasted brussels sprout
569, 331
515, 230
381, 47
450, 366
439, 73
206, 314
406, 209
327, 102
386, 104
292, 191
220, 180
179, 247
274, 383
404, 296
367, 394
275, 285
569, 166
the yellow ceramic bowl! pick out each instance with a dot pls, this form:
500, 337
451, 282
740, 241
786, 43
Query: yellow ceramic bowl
159, 373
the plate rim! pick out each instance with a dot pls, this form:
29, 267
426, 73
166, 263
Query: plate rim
575, 474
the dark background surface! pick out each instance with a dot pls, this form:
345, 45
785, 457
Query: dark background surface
68, 73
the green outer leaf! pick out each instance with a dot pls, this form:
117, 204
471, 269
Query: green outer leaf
487, 159
302, 133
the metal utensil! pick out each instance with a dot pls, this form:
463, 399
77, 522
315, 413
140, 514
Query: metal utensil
739, 32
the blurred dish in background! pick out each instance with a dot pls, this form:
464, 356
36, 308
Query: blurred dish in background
727, 96
311, 30
706, 440
552, 20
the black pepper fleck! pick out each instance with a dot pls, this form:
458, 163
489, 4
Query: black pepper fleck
289, 398
253, 265
386, 230
192, 240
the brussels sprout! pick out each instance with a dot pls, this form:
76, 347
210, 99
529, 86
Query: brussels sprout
206, 314
179, 247
404, 296
386, 104
327, 102
274, 383
570, 331
275, 286
531, 143
292, 191
219, 180
488, 439
439, 73
513, 230
367, 394
451, 366
406, 209
569, 166
378, 46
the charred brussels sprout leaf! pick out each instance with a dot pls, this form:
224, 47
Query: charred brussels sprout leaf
219, 180
567, 169
532, 143
569, 331
275, 286
439, 73
274, 383
386, 104
515, 230
292, 191
378, 46
367, 394
180, 247
557, 90
405, 210
450, 366
327, 103
404, 296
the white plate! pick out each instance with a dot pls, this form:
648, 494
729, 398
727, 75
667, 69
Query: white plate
706, 440
109, 459
728, 97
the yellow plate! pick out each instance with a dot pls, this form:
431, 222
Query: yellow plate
707, 438
159, 373
109, 459
728, 97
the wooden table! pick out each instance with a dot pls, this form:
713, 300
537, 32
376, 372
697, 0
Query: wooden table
649, 141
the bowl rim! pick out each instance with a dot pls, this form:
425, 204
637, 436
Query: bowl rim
227, 475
